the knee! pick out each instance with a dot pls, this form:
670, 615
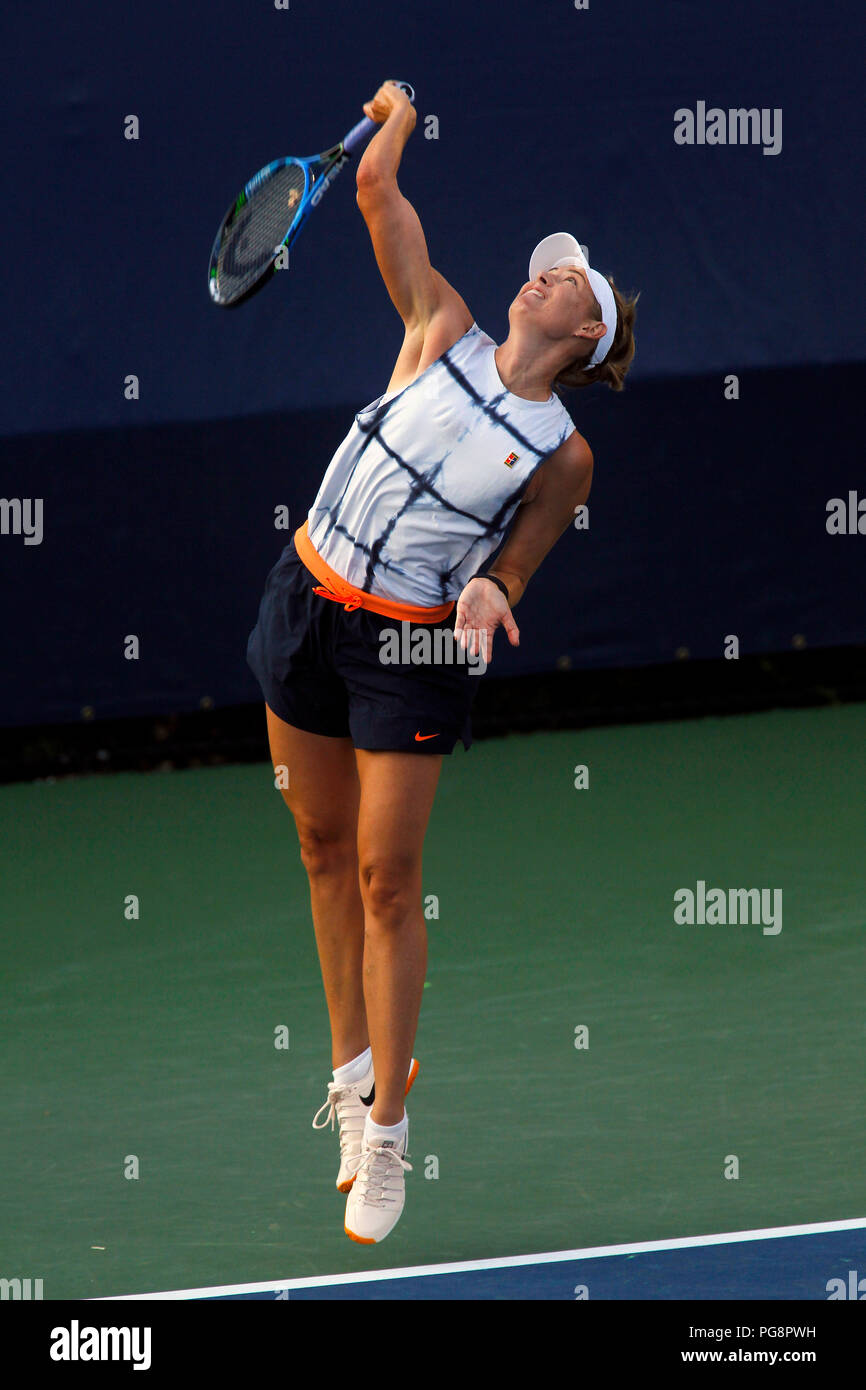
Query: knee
389, 890
326, 850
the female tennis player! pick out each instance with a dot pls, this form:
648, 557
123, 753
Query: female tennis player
468, 447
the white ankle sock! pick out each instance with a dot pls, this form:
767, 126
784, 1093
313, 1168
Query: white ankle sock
374, 1133
355, 1070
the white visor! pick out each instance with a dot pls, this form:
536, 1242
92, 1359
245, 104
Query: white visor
563, 249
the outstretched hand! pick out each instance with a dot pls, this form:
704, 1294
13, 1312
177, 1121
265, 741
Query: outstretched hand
481, 609
389, 97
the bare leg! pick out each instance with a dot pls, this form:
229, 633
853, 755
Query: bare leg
397, 791
323, 796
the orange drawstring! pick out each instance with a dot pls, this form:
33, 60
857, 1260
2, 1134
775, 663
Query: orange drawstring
332, 586
350, 605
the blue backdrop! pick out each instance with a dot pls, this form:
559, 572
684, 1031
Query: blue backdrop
707, 515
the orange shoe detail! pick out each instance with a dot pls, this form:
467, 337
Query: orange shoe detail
362, 1240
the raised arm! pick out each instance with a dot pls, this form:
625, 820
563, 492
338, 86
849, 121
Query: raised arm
433, 313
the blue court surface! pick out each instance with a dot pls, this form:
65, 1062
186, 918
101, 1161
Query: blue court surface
814, 1262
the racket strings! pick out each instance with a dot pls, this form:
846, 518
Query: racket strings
252, 236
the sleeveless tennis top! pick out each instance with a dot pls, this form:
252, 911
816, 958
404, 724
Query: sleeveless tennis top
425, 485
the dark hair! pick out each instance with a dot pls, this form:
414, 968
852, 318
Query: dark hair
612, 371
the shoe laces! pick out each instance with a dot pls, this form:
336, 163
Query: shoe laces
377, 1180
339, 1107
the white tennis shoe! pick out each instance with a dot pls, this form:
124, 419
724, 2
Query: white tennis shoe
375, 1203
350, 1105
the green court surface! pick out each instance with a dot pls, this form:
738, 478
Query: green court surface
155, 1037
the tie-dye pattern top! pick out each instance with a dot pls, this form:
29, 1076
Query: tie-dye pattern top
425, 485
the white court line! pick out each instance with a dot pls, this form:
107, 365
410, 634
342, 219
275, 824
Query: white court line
510, 1262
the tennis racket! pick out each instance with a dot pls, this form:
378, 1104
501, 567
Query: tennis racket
270, 211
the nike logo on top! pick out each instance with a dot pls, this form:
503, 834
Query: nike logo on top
420, 738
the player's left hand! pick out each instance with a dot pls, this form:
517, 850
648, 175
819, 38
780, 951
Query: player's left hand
481, 609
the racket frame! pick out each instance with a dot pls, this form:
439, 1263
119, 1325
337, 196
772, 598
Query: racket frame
320, 170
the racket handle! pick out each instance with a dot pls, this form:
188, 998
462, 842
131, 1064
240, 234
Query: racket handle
358, 134
361, 132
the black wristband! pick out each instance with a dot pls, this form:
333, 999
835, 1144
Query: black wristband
493, 580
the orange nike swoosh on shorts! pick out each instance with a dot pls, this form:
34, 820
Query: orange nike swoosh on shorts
419, 737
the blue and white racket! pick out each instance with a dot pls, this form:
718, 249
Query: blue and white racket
270, 211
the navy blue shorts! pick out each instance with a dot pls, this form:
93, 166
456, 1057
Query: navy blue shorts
320, 669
